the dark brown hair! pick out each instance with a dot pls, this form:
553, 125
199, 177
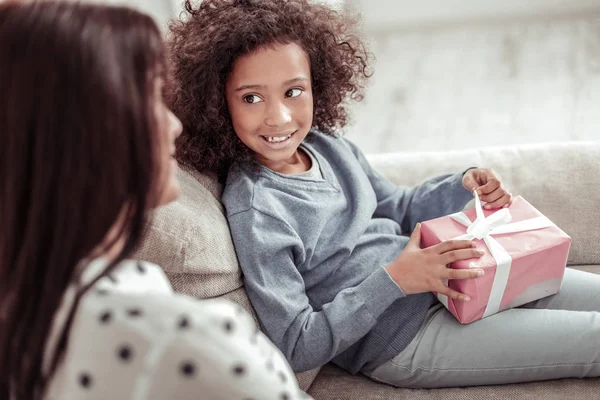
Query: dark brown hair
215, 33
77, 152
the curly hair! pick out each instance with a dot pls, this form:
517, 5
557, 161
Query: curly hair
215, 33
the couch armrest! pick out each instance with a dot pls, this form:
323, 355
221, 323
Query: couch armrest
562, 180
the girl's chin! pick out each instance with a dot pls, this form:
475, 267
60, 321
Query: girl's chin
277, 157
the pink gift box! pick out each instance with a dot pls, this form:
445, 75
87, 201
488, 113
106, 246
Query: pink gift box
537, 268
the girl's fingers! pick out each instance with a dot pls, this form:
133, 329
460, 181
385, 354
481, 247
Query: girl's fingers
450, 245
491, 185
461, 254
505, 199
452, 294
494, 196
415, 237
450, 273
458, 274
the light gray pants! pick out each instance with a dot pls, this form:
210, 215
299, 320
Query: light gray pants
555, 337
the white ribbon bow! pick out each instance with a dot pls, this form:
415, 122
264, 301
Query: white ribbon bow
483, 228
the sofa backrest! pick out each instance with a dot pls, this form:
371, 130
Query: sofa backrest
561, 180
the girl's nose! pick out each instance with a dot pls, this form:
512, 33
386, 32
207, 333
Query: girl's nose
278, 115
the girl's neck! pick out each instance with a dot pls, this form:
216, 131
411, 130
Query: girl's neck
298, 163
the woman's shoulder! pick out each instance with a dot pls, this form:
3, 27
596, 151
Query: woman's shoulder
135, 337
129, 277
137, 291
139, 299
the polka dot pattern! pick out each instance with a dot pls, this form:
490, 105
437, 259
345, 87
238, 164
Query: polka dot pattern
228, 326
239, 370
85, 380
125, 353
184, 323
105, 317
282, 377
188, 369
141, 268
134, 312
219, 349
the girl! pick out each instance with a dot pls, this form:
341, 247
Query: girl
319, 233
86, 149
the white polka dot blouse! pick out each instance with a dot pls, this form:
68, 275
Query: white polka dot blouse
134, 338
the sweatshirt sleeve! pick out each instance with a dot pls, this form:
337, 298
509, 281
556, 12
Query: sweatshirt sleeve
268, 250
433, 198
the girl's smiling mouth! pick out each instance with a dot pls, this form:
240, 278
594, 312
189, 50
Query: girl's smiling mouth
278, 141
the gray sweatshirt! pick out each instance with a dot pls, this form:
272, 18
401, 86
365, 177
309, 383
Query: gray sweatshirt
313, 253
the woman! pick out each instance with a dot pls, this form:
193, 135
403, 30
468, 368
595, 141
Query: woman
86, 150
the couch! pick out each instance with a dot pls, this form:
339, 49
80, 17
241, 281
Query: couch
190, 239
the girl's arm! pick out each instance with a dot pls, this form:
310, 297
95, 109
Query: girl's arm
434, 198
269, 250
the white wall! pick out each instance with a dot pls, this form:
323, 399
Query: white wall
385, 14
163, 10
160, 10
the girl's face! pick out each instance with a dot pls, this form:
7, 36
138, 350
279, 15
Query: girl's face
270, 101
169, 129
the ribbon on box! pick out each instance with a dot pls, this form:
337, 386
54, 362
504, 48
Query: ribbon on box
483, 228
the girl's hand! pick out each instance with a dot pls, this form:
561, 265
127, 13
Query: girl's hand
419, 270
489, 187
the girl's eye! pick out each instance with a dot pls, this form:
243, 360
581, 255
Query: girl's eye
293, 93
252, 98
